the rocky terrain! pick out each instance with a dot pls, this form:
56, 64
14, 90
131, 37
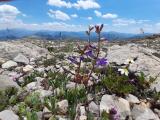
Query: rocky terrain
34, 84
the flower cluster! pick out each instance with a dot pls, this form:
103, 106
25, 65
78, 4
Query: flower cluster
125, 70
114, 115
88, 54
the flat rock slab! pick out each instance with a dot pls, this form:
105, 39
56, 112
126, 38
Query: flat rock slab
20, 58
9, 50
8, 115
146, 62
108, 102
6, 82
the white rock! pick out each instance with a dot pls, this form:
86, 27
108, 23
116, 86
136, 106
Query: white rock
6, 82
40, 69
63, 106
142, 112
9, 64
108, 102
83, 117
11, 49
44, 93
33, 86
70, 85
132, 99
27, 68
146, 62
46, 110
82, 111
20, 58
94, 108
8, 115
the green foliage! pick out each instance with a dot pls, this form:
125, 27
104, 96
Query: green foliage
8, 97
50, 103
67, 48
23, 112
51, 49
22, 109
33, 101
76, 95
60, 56
32, 115
31, 78
90, 116
49, 62
116, 83
57, 79
104, 116
72, 112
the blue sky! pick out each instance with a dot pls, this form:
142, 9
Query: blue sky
75, 15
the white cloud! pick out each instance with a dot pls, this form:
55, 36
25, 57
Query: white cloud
110, 16
89, 18
58, 15
59, 3
54, 26
106, 16
98, 14
126, 22
84, 4
8, 12
74, 15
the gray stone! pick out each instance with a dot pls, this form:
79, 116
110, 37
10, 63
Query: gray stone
9, 64
8, 115
20, 58
6, 82
27, 68
142, 112
94, 108
9, 50
157, 112
132, 99
146, 62
63, 106
108, 102
44, 93
71, 85
39, 114
33, 86
82, 111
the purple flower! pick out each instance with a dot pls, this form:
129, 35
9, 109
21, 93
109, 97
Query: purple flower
89, 53
102, 62
73, 59
81, 58
114, 114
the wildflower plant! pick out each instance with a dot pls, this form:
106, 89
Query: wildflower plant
88, 59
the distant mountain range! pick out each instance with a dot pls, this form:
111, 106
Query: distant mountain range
10, 34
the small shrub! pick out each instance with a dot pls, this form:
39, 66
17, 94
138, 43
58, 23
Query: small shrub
116, 83
8, 97
49, 62
76, 95
31, 78
33, 101
50, 103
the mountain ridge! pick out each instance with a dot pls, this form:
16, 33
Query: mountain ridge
65, 35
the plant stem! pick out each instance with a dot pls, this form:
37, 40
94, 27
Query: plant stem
98, 51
